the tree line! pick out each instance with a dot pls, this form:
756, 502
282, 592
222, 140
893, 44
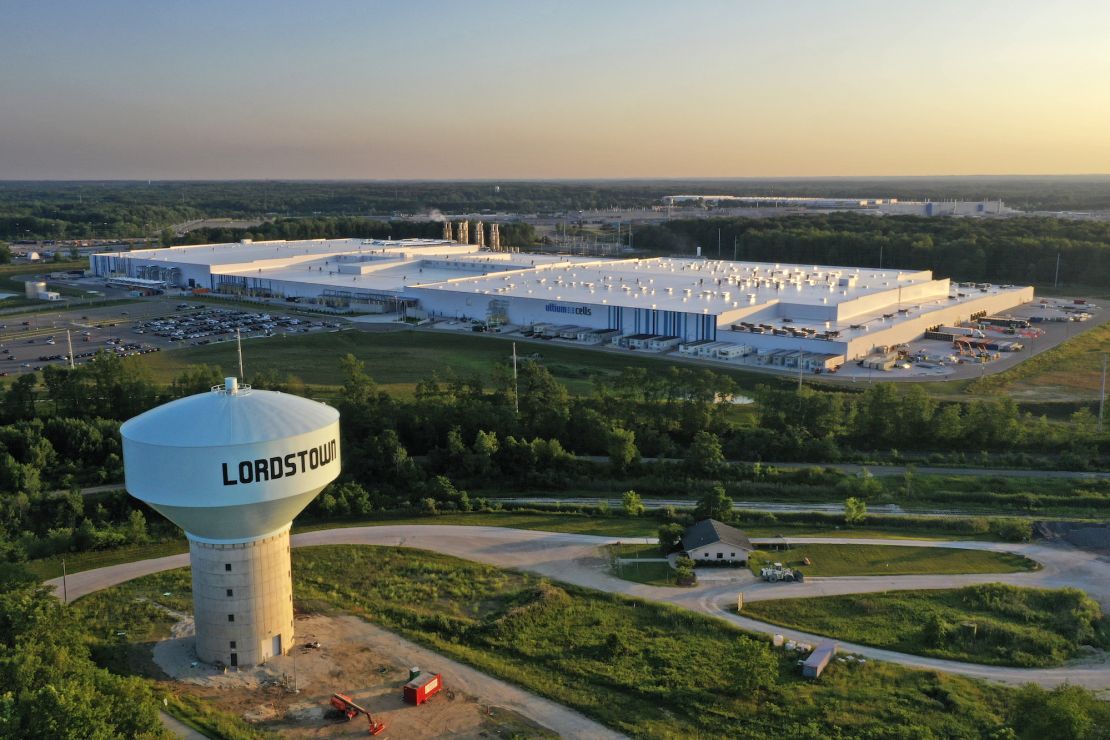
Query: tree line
1012, 250
342, 227
655, 432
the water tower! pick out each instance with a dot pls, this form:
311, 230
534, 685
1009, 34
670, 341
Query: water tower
232, 468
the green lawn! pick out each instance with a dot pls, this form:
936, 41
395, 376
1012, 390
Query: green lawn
991, 623
876, 560
644, 669
397, 360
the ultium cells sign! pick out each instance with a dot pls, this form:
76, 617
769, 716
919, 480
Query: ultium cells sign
577, 310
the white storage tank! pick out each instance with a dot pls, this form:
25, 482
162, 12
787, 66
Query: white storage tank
33, 288
233, 467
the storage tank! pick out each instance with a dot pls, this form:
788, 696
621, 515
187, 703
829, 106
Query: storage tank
33, 288
233, 467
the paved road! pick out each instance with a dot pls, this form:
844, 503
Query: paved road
881, 470
575, 559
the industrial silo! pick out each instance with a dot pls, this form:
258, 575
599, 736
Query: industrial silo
232, 467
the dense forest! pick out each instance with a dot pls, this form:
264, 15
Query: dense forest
512, 233
1016, 250
80, 210
423, 453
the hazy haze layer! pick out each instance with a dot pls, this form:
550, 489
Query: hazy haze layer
549, 90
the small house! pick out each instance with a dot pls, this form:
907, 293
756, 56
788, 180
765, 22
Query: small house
710, 540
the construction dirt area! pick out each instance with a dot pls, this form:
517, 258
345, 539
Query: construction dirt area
290, 695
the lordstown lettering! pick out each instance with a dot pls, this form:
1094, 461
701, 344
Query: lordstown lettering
281, 466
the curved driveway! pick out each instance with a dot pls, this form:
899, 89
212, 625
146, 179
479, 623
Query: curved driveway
574, 558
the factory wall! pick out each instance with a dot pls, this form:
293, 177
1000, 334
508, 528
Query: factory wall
911, 329
106, 265
889, 299
774, 341
525, 311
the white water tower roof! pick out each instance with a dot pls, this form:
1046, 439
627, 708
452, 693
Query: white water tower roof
232, 464
221, 419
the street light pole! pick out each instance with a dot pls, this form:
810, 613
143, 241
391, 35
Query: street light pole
516, 387
1102, 394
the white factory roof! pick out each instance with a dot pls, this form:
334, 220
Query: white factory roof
250, 251
687, 284
387, 265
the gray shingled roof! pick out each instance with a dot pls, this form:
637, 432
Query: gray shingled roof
708, 531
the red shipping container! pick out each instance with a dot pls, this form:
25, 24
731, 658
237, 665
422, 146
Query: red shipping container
423, 687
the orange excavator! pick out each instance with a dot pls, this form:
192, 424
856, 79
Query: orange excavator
345, 704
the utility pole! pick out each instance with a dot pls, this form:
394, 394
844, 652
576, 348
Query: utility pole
1056, 280
516, 387
65, 591
718, 244
239, 346
800, 351
1102, 395
735, 242
69, 341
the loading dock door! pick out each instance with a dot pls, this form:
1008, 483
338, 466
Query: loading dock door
277, 644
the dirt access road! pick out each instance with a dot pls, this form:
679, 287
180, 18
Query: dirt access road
575, 559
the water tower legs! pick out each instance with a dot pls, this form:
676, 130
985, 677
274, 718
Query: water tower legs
242, 599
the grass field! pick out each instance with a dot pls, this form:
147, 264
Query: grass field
644, 669
876, 560
991, 623
397, 360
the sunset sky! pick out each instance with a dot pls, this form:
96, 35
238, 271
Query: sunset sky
162, 90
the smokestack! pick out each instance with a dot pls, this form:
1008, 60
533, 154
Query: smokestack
480, 234
447, 231
463, 232
494, 237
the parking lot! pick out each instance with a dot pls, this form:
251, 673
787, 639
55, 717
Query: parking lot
196, 324
29, 342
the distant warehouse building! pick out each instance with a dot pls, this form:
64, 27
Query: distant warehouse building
716, 309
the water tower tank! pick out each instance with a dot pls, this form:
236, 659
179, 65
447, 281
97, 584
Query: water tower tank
232, 467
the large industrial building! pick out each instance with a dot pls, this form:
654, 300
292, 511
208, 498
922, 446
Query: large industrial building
715, 309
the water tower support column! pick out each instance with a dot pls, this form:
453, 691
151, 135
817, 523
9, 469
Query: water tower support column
242, 599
